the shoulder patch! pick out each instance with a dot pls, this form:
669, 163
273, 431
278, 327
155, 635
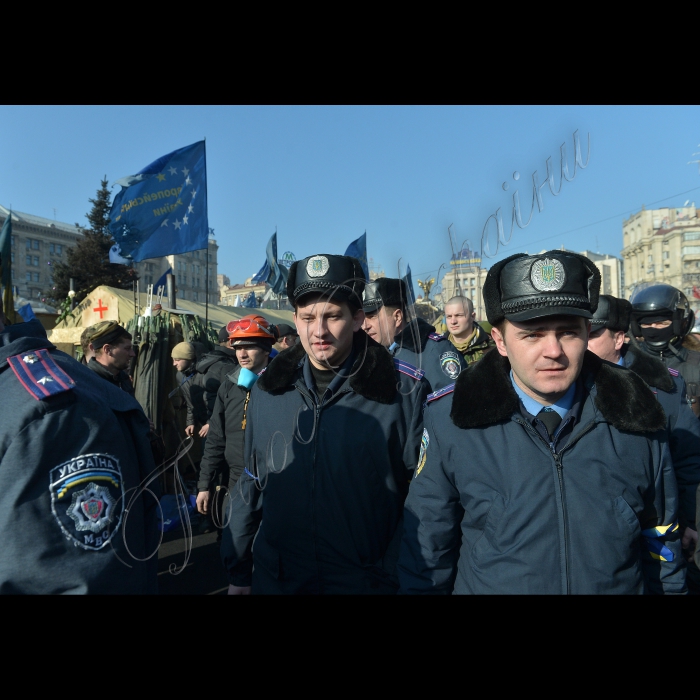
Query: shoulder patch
449, 364
673, 372
39, 374
440, 393
436, 337
409, 369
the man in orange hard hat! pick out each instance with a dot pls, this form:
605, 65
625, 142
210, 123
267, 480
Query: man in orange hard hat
252, 339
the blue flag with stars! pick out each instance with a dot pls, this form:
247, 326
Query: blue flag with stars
162, 210
358, 249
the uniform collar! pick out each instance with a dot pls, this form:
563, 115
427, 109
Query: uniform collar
533, 406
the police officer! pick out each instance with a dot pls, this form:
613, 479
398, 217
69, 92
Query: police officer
332, 439
609, 326
558, 479
287, 336
415, 341
468, 337
75, 458
113, 351
662, 315
251, 339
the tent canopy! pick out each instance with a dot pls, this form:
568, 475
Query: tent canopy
110, 304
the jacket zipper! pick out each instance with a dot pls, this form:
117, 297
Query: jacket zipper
559, 466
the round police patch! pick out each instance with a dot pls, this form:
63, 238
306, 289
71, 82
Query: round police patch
87, 499
449, 363
317, 266
423, 456
547, 275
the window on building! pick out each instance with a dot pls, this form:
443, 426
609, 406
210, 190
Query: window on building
35, 244
667, 255
690, 250
12, 241
29, 276
196, 254
691, 236
194, 296
29, 260
51, 248
35, 261
29, 243
12, 255
36, 276
197, 283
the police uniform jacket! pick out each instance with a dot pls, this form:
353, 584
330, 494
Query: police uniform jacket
680, 358
682, 425
326, 477
419, 345
74, 450
223, 450
494, 508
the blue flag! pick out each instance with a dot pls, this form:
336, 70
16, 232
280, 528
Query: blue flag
358, 249
26, 312
409, 285
272, 272
250, 301
163, 282
162, 210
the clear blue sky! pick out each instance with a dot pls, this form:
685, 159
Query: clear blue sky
324, 175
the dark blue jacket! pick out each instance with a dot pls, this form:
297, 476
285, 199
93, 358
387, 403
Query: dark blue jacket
682, 424
494, 509
419, 345
69, 462
325, 479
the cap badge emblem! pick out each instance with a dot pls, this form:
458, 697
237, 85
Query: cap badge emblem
317, 266
547, 275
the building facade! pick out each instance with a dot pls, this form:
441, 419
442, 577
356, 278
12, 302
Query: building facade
662, 246
465, 278
36, 245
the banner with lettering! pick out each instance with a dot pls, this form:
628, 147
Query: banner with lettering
162, 210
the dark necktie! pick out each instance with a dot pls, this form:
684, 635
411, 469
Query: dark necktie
551, 420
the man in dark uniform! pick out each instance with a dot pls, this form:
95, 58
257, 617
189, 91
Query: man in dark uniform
416, 342
74, 463
468, 337
662, 315
609, 326
113, 350
558, 479
222, 465
332, 439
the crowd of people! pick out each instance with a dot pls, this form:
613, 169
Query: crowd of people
362, 452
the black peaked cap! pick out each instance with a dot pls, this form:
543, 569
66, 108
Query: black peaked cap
612, 313
555, 283
338, 277
384, 291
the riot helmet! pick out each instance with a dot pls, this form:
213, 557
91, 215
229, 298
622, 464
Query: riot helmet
661, 302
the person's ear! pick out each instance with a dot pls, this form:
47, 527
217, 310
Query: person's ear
500, 340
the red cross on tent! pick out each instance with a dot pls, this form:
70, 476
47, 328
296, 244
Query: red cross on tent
101, 309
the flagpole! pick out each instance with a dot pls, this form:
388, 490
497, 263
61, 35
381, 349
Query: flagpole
206, 291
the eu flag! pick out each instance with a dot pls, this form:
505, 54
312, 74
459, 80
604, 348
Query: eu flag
358, 249
162, 210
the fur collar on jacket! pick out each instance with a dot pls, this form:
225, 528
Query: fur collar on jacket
651, 370
622, 397
373, 373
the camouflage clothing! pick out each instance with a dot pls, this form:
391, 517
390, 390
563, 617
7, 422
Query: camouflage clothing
475, 346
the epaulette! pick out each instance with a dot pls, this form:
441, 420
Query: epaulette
410, 370
440, 393
673, 372
39, 374
436, 336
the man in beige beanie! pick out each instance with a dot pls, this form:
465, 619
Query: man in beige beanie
184, 359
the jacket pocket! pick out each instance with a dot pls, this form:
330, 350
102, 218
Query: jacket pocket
627, 517
487, 542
